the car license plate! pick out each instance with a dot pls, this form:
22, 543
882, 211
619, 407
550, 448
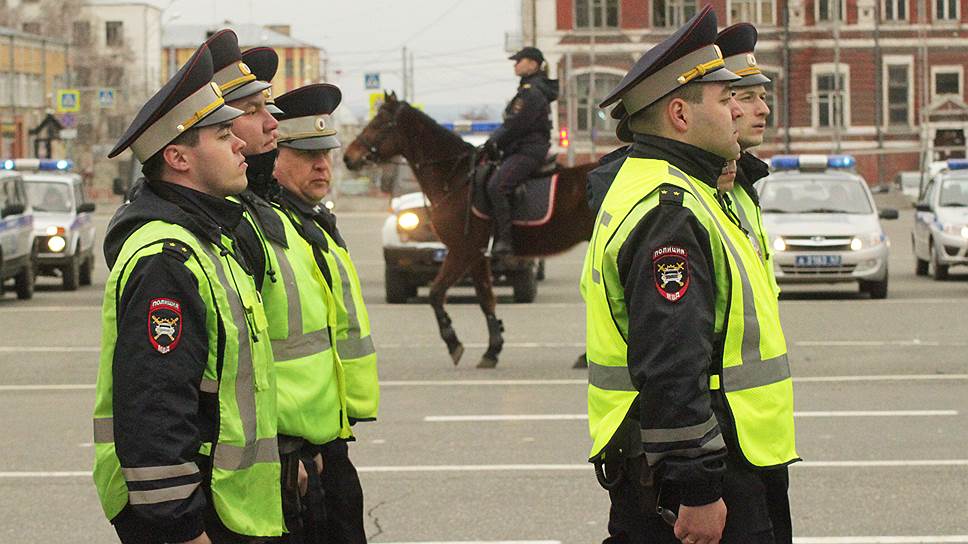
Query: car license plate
439, 255
817, 260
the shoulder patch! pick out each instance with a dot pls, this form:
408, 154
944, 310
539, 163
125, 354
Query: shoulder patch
670, 269
671, 194
177, 249
164, 324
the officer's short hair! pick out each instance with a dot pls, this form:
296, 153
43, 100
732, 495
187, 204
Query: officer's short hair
152, 167
646, 121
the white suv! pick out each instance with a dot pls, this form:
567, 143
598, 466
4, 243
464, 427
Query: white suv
16, 235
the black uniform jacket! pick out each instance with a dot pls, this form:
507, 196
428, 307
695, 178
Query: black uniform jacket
672, 345
527, 118
160, 415
749, 170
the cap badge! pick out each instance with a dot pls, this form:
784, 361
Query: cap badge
244, 68
750, 59
320, 124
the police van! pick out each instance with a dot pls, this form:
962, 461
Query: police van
16, 235
63, 230
823, 223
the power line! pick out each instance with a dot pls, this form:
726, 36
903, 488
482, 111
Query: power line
430, 25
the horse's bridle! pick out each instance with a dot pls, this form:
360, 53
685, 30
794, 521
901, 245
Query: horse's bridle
372, 147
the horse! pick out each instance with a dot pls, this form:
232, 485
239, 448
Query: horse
443, 164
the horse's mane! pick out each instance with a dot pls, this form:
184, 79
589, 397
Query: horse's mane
430, 122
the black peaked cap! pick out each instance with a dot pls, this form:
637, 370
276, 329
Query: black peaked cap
263, 61
739, 38
316, 99
191, 77
698, 32
225, 48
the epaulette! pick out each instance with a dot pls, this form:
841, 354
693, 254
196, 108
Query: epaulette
177, 249
670, 194
526, 86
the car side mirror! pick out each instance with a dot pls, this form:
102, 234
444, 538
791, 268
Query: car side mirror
889, 213
12, 209
922, 207
86, 207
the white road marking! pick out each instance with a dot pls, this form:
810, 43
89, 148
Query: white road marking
479, 345
915, 342
49, 349
49, 309
572, 417
945, 539
503, 383
576, 467
484, 542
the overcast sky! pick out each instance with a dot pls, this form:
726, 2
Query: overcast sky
458, 44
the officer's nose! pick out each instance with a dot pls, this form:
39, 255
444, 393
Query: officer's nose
735, 108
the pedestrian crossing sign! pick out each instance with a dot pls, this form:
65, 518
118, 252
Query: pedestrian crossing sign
68, 101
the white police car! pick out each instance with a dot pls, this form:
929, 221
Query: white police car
940, 236
16, 233
63, 220
823, 224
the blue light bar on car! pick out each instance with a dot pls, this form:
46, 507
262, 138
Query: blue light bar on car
37, 164
467, 127
813, 162
957, 164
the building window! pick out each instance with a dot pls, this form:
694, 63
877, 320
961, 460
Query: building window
898, 95
672, 13
751, 11
946, 81
82, 33
830, 10
114, 33
830, 92
946, 10
289, 72
588, 114
31, 28
894, 10
596, 14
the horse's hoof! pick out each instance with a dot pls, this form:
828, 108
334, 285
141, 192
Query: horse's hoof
580, 362
457, 353
487, 362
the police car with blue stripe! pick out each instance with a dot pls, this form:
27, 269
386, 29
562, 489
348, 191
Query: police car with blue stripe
823, 223
16, 233
63, 220
940, 236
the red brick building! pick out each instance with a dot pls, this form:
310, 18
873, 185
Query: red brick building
873, 78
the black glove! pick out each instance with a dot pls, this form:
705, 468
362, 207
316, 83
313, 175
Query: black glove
259, 174
489, 149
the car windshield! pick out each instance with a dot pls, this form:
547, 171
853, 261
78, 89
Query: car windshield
814, 195
954, 193
49, 197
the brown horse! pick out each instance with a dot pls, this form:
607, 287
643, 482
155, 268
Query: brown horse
442, 162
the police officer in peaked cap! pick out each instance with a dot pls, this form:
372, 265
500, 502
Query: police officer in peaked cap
180, 454
737, 43
688, 403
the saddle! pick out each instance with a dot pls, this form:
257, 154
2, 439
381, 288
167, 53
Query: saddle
532, 203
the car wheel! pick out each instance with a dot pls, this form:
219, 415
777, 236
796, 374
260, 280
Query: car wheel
876, 289
920, 267
937, 270
72, 274
398, 288
25, 282
86, 271
525, 284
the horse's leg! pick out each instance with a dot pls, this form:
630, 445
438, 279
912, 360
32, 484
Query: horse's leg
481, 274
453, 267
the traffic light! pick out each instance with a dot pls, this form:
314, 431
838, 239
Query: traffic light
563, 139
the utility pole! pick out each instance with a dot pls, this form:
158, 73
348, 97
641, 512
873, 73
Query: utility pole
926, 144
405, 72
838, 101
410, 78
570, 83
592, 114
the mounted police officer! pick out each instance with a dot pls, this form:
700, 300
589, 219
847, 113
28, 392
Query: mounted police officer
185, 417
690, 399
523, 140
737, 43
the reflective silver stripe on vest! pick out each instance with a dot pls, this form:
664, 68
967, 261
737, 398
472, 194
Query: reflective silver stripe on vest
363, 345
103, 430
604, 221
245, 373
142, 474
748, 225
736, 378
680, 434
154, 496
610, 378
714, 444
302, 345
229, 457
354, 348
208, 386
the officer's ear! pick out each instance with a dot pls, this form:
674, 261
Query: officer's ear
176, 158
678, 113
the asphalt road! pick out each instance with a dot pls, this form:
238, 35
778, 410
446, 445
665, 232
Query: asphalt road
468, 455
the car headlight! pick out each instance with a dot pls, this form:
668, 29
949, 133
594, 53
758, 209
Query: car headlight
956, 230
56, 243
55, 231
408, 221
779, 244
867, 241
